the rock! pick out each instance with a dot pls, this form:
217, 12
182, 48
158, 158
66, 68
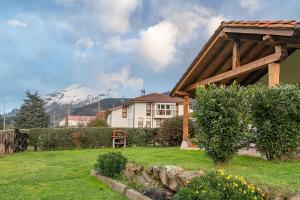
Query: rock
168, 177
154, 171
132, 170
186, 176
172, 177
163, 177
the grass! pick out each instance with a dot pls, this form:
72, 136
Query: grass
65, 174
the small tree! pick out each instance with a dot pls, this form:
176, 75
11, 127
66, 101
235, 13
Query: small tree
32, 113
97, 122
276, 120
222, 121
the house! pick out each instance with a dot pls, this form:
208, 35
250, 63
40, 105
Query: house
245, 52
145, 111
75, 121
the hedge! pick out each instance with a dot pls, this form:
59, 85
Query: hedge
71, 138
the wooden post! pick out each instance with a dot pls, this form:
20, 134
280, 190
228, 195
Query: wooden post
236, 54
274, 74
185, 135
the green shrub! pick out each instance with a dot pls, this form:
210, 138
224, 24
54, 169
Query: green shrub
219, 186
222, 121
70, 138
276, 118
97, 122
142, 137
170, 131
110, 164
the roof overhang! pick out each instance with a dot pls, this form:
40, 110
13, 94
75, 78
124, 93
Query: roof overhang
258, 43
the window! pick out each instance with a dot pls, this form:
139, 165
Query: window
140, 122
148, 123
124, 111
165, 109
148, 109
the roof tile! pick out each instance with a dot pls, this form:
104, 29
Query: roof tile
267, 24
157, 98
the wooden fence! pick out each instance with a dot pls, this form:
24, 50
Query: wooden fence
13, 141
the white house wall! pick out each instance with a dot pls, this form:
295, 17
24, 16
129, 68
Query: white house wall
117, 120
140, 112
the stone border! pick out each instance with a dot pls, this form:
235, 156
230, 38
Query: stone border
119, 187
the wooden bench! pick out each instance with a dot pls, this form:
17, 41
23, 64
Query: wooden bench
119, 138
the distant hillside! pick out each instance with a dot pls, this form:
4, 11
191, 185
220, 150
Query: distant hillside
91, 109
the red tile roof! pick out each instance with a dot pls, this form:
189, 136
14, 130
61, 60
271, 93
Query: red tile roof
157, 98
262, 24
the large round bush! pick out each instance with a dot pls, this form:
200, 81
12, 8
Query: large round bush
170, 132
219, 186
110, 164
222, 121
276, 120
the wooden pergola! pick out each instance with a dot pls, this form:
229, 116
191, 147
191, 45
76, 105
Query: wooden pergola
241, 51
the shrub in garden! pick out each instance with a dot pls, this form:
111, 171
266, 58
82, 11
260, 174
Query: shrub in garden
219, 186
276, 118
222, 121
97, 122
141, 136
110, 164
170, 131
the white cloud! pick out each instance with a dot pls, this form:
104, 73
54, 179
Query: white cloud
85, 42
106, 15
213, 23
16, 23
157, 45
120, 45
120, 80
250, 5
113, 15
79, 55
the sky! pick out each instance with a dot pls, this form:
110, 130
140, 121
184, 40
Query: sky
115, 47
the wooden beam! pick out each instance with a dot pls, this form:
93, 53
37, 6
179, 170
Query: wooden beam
262, 31
182, 93
236, 54
274, 74
252, 66
267, 39
185, 135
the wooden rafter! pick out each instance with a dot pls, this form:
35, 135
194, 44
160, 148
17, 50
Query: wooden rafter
264, 39
280, 53
182, 93
236, 54
261, 31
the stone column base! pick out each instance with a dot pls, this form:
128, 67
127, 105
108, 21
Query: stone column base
184, 144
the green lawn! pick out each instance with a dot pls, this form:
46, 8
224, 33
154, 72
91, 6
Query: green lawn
65, 174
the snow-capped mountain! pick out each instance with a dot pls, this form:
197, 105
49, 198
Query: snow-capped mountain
74, 96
